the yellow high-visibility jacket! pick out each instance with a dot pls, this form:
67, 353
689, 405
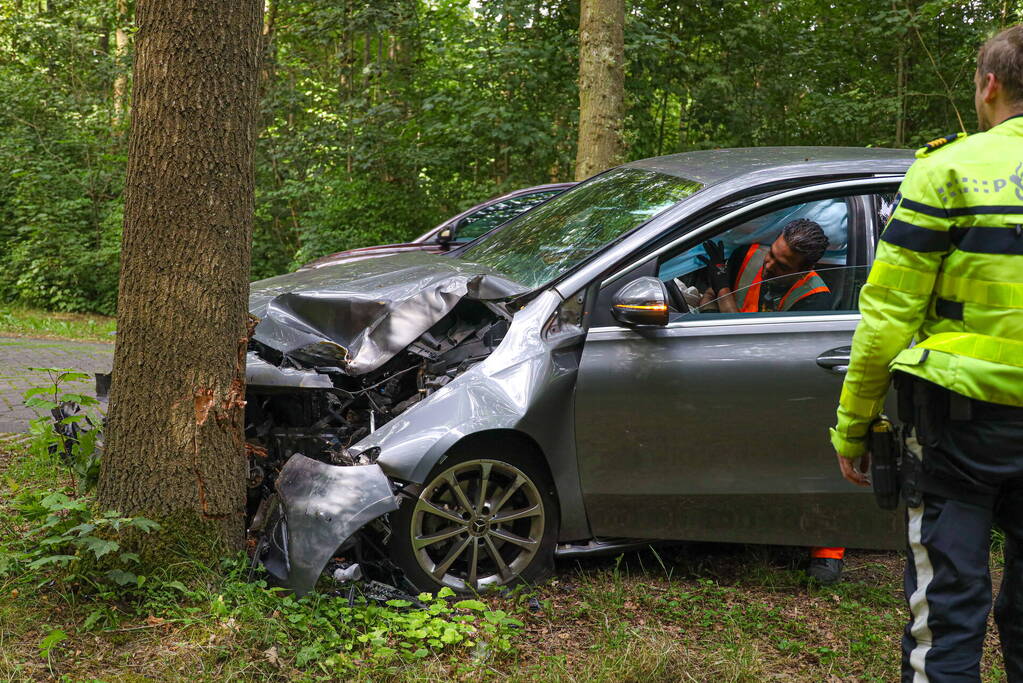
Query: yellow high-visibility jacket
949, 274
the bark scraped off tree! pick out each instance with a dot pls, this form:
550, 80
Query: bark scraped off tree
601, 86
175, 446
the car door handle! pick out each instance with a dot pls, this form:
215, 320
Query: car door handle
836, 360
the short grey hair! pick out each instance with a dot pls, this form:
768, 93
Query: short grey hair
807, 238
1002, 55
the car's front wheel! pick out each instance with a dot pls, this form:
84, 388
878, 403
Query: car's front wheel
478, 522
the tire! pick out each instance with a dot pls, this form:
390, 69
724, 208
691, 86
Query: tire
515, 485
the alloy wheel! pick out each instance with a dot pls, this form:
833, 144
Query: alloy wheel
479, 523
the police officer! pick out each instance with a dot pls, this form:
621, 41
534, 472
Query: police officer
949, 273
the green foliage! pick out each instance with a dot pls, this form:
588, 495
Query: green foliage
331, 635
380, 119
74, 438
51, 640
63, 156
63, 538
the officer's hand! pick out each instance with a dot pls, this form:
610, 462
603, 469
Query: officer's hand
855, 469
716, 264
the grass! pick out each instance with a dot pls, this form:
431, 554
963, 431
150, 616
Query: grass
26, 322
689, 613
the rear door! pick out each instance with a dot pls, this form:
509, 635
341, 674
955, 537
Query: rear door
715, 426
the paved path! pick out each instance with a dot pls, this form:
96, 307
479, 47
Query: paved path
17, 354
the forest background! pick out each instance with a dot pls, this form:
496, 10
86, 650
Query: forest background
380, 118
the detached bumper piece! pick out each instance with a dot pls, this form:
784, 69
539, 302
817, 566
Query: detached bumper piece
318, 507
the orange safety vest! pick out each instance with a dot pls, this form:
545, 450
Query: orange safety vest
751, 274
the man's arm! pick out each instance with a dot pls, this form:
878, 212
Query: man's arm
893, 304
727, 302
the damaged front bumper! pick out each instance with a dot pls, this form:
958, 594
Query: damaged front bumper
317, 509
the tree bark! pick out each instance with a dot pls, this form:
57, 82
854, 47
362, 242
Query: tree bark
120, 50
601, 86
900, 88
175, 448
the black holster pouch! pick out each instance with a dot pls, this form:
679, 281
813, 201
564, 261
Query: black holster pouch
921, 416
924, 409
884, 463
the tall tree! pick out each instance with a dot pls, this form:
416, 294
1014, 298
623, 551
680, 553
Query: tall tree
120, 51
175, 447
601, 86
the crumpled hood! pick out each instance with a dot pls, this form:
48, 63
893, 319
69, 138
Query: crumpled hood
357, 316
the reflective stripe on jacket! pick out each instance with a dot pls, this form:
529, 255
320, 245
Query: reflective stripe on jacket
751, 274
949, 273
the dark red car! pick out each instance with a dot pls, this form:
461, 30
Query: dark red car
463, 228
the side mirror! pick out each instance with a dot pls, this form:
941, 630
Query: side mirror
644, 301
445, 236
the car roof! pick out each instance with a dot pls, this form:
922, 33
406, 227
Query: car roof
712, 166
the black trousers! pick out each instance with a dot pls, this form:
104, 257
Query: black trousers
973, 479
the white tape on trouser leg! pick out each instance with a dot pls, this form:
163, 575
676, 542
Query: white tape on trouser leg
920, 630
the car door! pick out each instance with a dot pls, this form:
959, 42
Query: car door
714, 427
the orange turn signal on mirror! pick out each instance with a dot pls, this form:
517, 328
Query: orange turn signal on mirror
637, 307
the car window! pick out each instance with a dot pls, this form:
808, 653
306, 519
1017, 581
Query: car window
758, 283
538, 246
843, 285
489, 217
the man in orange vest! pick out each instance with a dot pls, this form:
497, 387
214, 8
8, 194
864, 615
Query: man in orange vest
772, 278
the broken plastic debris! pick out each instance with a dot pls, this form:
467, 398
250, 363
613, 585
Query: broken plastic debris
352, 572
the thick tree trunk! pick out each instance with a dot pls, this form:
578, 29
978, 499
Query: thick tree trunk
601, 86
174, 437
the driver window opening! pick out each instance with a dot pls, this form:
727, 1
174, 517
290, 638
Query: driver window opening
795, 259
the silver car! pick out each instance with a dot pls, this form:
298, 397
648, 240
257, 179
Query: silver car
562, 386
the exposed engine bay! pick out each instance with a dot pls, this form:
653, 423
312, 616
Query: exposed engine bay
323, 418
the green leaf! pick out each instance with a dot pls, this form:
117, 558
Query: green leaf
55, 501
99, 546
38, 391
82, 529
50, 641
36, 402
121, 577
307, 654
93, 618
51, 559
470, 604
445, 592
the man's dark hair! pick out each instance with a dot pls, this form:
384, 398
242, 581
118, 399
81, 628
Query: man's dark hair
807, 238
1002, 55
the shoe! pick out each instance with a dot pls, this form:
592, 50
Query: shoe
825, 570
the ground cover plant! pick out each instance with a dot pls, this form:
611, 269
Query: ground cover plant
16, 321
691, 613
75, 607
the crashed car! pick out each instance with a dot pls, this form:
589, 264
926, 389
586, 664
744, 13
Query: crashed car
458, 230
557, 388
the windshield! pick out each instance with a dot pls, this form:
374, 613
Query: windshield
541, 244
